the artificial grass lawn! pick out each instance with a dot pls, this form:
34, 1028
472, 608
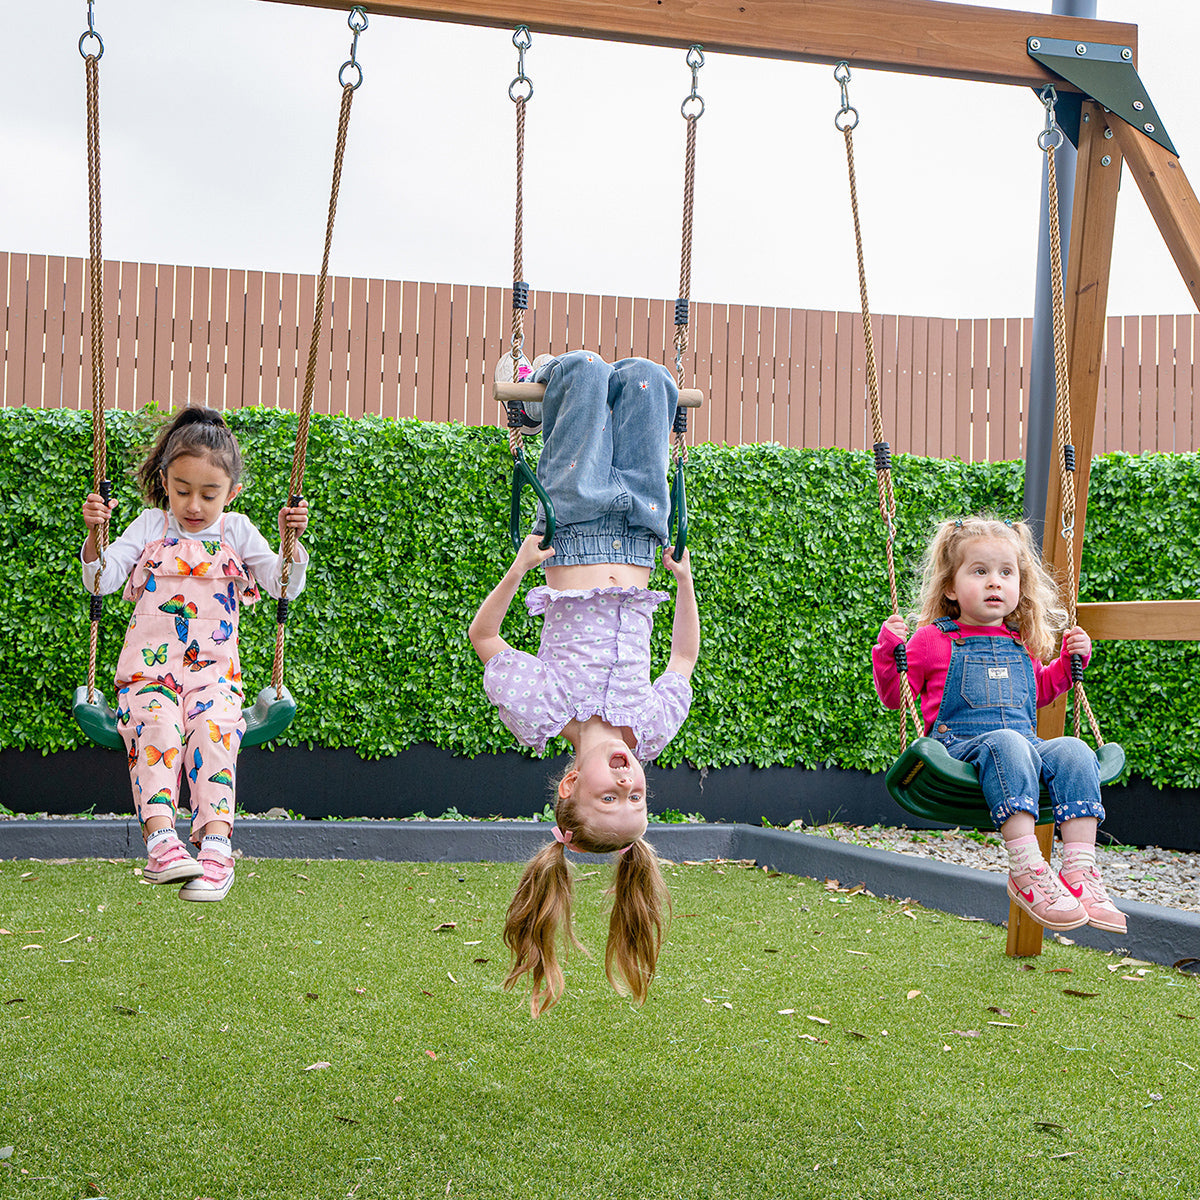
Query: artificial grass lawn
154, 1048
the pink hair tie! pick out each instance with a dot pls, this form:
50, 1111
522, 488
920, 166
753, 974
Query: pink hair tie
564, 838
625, 849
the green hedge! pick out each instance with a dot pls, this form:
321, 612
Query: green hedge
409, 532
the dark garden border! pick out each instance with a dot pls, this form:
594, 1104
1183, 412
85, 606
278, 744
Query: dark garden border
1160, 935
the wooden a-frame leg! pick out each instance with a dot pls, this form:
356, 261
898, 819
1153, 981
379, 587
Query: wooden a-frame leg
1024, 933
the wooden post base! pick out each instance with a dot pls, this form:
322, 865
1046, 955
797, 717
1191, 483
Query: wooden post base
1024, 933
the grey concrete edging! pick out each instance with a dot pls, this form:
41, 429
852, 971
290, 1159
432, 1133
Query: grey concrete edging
1156, 934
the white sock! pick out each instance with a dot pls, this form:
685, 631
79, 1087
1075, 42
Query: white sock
1024, 855
1079, 855
216, 843
159, 836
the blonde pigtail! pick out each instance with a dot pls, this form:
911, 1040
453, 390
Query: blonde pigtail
635, 928
540, 909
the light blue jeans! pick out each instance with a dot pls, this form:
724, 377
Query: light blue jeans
605, 431
1011, 766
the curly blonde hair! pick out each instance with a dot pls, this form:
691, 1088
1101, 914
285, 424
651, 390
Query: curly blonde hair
539, 917
1039, 617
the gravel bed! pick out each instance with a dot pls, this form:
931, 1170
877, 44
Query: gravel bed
1170, 878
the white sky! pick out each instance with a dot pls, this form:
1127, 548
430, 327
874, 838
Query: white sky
217, 133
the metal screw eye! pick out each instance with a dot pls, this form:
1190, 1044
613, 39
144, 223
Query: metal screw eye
1138, 105
1126, 53
1080, 48
1106, 161
1035, 43
1148, 127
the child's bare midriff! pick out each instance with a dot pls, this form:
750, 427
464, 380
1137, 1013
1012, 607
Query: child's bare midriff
585, 576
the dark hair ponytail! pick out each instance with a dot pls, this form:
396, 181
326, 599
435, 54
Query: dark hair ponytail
195, 431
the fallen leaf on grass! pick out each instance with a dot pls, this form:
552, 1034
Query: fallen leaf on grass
808, 1037
785, 1012
311, 996
1000, 1012
69, 939
862, 952
854, 1033
966, 1032
344, 1120
913, 994
445, 925
1132, 979
1061, 970
1006, 1025
125, 1012
318, 1066
819, 1020
1074, 992
451, 977
16, 1000
33, 946
1181, 965
5, 933
1064, 1154
431, 1055
360, 991
478, 943
481, 960
1185, 1017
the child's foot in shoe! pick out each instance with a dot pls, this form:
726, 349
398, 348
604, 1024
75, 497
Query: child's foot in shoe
214, 883
1086, 886
216, 859
1043, 897
168, 860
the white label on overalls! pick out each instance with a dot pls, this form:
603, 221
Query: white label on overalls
997, 672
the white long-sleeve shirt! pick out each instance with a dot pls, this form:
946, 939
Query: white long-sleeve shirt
241, 536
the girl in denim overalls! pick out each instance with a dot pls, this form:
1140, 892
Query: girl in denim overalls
604, 466
978, 661
188, 566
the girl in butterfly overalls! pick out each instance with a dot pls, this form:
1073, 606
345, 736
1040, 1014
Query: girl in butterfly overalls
188, 566
978, 661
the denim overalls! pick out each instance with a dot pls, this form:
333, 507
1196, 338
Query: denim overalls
988, 718
604, 457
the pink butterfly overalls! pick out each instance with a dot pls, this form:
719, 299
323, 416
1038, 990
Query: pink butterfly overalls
179, 683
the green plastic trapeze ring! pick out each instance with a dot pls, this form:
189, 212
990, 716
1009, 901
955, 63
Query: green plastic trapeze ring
522, 475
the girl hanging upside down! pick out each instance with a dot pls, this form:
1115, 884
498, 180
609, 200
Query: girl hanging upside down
604, 466
189, 566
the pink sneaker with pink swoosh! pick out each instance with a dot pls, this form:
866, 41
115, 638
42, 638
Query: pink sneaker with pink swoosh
1041, 894
1086, 886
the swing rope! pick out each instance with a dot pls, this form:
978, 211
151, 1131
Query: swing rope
1049, 140
357, 20
100, 481
845, 121
520, 91
692, 109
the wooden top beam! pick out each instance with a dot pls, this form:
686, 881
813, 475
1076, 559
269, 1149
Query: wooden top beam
920, 37
1142, 620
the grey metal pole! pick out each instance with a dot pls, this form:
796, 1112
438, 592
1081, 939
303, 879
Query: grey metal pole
1039, 419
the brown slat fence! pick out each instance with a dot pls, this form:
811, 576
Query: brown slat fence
230, 338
